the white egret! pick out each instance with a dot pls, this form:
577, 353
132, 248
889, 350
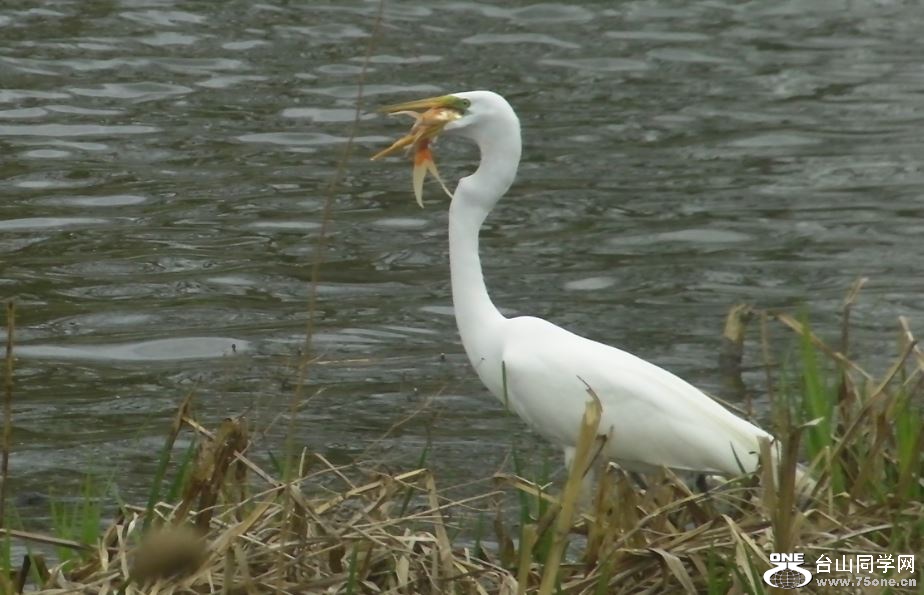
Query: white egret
651, 417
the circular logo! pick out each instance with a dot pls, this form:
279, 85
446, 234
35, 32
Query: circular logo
787, 572
786, 578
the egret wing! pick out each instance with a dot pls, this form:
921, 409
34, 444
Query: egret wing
651, 416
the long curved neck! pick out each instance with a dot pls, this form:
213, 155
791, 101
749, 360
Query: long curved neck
476, 195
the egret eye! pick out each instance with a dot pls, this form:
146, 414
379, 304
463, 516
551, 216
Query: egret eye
459, 104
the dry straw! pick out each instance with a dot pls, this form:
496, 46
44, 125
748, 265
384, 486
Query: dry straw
236, 528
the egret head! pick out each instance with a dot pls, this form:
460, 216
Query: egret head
469, 114
483, 111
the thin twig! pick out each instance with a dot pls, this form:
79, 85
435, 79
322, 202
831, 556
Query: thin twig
7, 409
768, 361
847, 307
46, 539
318, 259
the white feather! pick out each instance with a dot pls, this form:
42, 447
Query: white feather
653, 418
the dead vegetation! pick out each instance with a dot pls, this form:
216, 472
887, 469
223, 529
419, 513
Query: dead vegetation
230, 526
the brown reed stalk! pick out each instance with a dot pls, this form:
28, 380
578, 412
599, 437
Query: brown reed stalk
583, 458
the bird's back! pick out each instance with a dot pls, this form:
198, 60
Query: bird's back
653, 418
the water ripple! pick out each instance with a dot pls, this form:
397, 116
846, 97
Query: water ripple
46, 154
160, 350
225, 82
142, 90
168, 38
328, 32
403, 60
58, 130
518, 38
301, 138
23, 113
552, 13
39, 223
590, 284
319, 114
349, 91
14, 95
115, 200
166, 169
663, 36
82, 111
92, 65
163, 18
598, 64
243, 45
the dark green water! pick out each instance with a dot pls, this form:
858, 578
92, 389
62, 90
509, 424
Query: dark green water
164, 166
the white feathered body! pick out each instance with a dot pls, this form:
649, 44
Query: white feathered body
650, 416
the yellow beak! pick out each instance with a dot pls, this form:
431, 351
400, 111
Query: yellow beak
439, 111
443, 101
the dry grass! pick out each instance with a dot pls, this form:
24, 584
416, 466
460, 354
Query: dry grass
236, 528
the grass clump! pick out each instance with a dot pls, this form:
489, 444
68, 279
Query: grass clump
78, 519
226, 525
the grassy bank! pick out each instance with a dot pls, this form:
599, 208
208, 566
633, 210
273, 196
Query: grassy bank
216, 522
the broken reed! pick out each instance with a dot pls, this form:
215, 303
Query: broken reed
226, 525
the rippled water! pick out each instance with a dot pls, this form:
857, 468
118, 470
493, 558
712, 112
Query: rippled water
164, 167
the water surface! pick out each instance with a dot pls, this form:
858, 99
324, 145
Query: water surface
165, 165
